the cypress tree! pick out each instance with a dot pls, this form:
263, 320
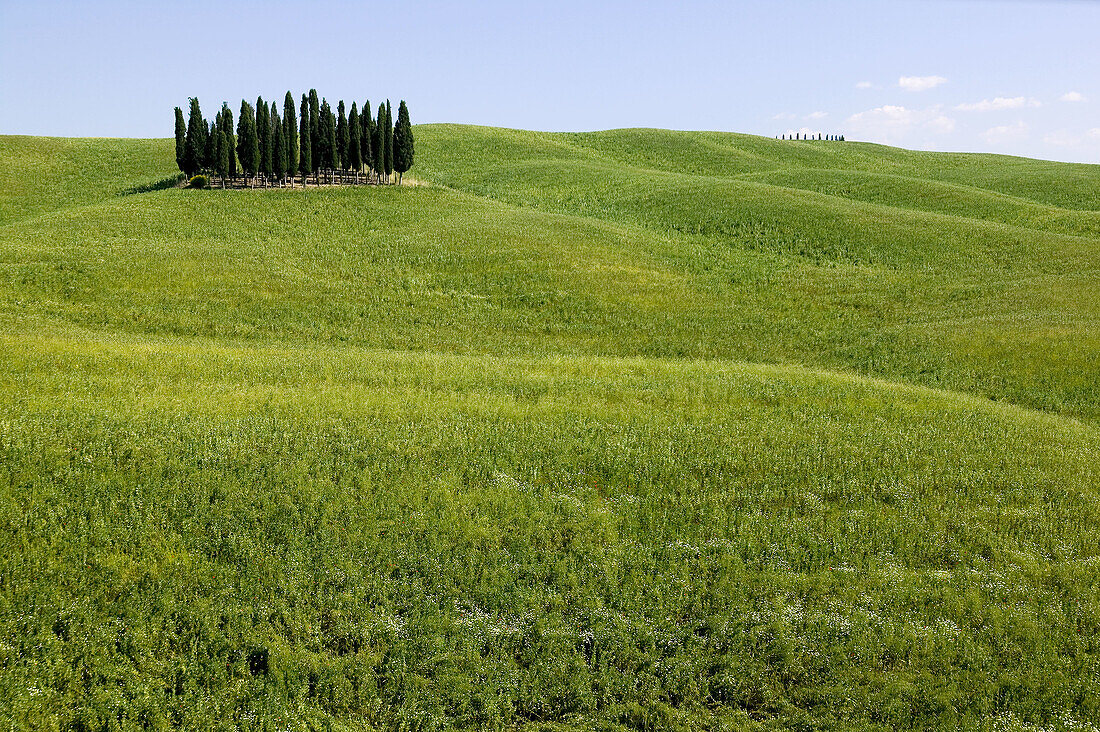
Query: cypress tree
263, 131
355, 155
231, 141
366, 124
305, 150
278, 145
389, 140
194, 143
248, 144
328, 138
322, 135
181, 137
210, 151
290, 136
402, 142
223, 156
379, 142
315, 131
342, 137
331, 145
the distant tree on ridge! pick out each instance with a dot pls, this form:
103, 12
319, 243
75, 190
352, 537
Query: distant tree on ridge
278, 146
223, 156
367, 125
248, 143
226, 126
305, 147
263, 133
327, 142
402, 142
181, 138
389, 140
210, 150
290, 135
194, 143
379, 143
315, 132
342, 137
355, 156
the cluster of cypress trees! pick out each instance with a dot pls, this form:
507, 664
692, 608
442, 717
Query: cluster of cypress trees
797, 136
329, 146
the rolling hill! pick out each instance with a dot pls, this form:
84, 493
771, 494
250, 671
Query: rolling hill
633, 429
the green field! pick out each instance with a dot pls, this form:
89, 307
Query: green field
624, 430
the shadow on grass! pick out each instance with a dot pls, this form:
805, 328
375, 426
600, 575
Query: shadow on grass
164, 183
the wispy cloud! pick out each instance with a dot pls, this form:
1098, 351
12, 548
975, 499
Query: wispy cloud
1070, 139
817, 115
920, 83
864, 85
1005, 133
1062, 138
1072, 96
784, 116
894, 123
999, 103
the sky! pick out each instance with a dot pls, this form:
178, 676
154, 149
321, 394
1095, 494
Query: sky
1007, 76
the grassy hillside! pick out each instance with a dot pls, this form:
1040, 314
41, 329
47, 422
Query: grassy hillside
621, 430
39, 175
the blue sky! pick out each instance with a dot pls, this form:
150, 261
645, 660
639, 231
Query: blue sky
1000, 76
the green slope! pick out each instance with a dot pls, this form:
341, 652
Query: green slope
620, 430
43, 174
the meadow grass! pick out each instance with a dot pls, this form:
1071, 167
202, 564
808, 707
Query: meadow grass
43, 174
623, 430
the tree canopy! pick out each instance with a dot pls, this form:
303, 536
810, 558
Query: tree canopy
305, 144
194, 144
278, 147
355, 158
181, 137
402, 142
342, 137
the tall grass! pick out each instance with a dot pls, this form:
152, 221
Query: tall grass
626, 430
204, 535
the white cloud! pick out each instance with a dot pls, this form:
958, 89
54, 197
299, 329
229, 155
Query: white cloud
1077, 145
1062, 138
1066, 138
999, 103
817, 115
920, 83
1072, 97
893, 124
864, 85
1005, 133
784, 116
941, 124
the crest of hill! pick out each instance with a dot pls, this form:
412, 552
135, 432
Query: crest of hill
723, 154
948, 270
